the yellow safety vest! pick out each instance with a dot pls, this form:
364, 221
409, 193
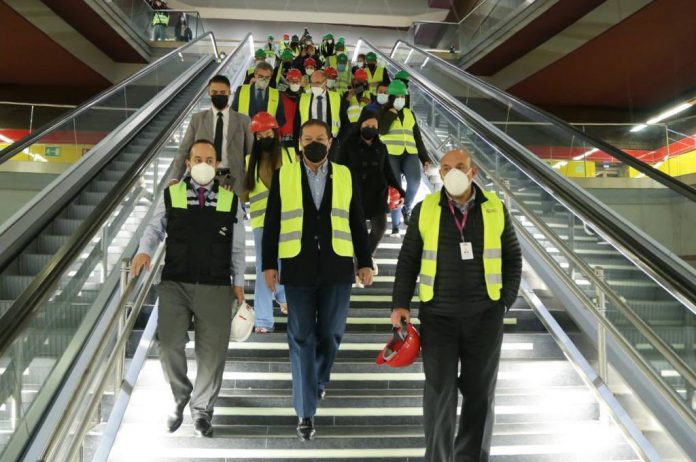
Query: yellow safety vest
355, 109
292, 210
334, 102
258, 197
177, 192
343, 81
375, 79
160, 18
429, 227
400, 138
245, 100
331, 61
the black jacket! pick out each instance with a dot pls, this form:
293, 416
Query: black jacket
387, 117
370, 165
316, 263
460, 288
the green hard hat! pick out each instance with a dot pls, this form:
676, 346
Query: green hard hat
342, 40
260, 53
270, 37
342, 58
340, 46
328, 36
397, 88
295, 38
287, 54
371, 57
402, 75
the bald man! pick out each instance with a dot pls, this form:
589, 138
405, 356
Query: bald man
462, 246
320, 104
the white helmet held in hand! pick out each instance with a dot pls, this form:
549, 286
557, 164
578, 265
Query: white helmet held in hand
243, 323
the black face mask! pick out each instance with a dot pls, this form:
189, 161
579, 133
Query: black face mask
315, 152
220, 101
265, 144
372, 66
369, 133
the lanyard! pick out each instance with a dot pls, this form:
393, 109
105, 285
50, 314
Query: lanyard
460, 225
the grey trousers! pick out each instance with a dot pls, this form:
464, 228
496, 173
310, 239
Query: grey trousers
211, 309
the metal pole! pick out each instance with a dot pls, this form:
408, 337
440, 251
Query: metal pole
601, 332
120, 361
105, 252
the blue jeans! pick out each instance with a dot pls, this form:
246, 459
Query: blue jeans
316, 324
263, 298
409, 165
160, 32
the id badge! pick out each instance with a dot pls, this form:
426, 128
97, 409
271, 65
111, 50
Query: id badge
467, 250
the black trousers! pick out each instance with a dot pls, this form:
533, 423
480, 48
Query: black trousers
474, 343
378, 225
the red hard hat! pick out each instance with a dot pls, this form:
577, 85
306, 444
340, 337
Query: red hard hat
331, 72
286, 37
402, 350
361, 75
263, 121
294, 74
394, 198
310, 62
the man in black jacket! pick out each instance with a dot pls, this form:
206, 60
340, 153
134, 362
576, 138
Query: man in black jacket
315, 224
462, 245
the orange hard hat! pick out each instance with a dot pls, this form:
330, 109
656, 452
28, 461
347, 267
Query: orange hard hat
263, 121
361, 75
310, 62
294, 74
331, 72
403, 349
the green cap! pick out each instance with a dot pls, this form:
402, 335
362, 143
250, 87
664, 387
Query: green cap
342, 58
287, 55
260, 53
402, 75
295, 38
371, 57
342, 40
270, 37
340, 46
397, 88
328, 36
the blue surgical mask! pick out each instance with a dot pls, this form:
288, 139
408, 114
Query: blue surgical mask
341, 67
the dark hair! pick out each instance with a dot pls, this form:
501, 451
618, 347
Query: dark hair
366, 114
252, 173
263, 65
220, 79
362, 55
316, 123
200, 141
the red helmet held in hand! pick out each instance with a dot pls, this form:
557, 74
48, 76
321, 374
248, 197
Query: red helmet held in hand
403, 349
394, 198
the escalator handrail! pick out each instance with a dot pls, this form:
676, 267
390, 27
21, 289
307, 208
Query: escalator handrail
501, 96
643, 251
20, 145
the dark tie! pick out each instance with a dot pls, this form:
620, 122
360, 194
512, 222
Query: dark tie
320, 108
201, 196
219, 127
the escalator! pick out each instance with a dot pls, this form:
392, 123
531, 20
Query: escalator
60, 254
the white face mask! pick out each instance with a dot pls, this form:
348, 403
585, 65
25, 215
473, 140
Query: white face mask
203, 173
330, 83
382, 98
318, 91
399, 103
361, 64
294, 87
262, 84
456, 182
309, 71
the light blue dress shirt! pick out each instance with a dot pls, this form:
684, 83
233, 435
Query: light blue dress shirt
317, 182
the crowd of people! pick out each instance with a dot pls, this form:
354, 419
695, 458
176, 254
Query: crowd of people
318, 147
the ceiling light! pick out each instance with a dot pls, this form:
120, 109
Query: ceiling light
665, 115
585, 154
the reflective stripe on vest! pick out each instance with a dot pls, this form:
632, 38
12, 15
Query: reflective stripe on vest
177, 193
355, 109
258, 197
292, 211
375, 79
245, 100
334, 102
429, 227
343, 81
400, 136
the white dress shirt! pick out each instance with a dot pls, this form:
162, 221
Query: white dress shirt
225, 125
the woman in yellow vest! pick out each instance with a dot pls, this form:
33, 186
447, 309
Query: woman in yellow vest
399, 131
267, 156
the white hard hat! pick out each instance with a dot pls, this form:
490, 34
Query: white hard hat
243, 323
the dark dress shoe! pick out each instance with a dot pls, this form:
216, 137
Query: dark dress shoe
305, 429
175, 419
203, 427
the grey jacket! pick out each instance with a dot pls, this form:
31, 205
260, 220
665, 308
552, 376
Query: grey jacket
239, 142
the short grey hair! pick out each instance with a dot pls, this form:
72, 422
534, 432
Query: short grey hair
264, 66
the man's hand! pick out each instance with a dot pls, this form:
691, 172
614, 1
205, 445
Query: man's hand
140, 261
173, 182
271, 277
365, 275
398, 314
239, 294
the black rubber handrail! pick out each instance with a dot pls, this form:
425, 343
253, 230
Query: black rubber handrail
676, 278
533, 112
20, 145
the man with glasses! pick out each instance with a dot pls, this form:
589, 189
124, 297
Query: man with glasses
462, 246
258, 96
